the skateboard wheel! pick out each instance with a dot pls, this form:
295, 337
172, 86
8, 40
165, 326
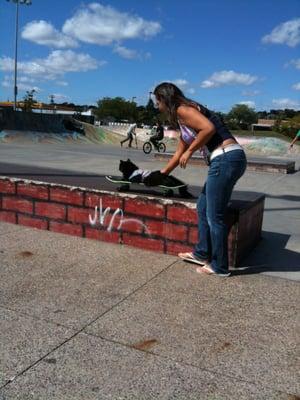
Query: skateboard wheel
123, 188
169, 193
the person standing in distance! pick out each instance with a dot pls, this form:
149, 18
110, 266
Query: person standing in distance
130, 133
201, 129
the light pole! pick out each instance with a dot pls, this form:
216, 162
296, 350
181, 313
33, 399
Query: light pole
52, 102
17, 2
150, 97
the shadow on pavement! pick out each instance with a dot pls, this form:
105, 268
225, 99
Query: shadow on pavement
288, 197
271, 254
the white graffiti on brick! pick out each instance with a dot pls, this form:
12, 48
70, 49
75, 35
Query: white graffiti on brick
102, 217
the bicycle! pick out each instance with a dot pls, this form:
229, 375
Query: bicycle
148, 147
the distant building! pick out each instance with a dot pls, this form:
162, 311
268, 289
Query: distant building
42, 108
263, 124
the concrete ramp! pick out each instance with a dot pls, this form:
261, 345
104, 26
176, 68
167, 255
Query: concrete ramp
28, 127
32, 127
92, 135
24, 137
96, 134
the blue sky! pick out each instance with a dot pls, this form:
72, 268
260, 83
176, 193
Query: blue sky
220, 52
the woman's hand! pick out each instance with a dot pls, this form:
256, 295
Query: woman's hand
184, 158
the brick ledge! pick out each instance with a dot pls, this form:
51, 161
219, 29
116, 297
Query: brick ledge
151, 223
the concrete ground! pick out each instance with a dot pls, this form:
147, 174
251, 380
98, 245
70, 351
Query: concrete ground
112, 322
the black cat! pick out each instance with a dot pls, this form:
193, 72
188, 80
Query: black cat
127, 168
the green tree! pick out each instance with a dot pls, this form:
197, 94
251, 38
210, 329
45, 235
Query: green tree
116, 109
262, 115
290, 113
288, 127
150, 113
29, 101
242, 116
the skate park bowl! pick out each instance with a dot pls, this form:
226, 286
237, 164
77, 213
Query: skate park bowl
95, 135
271, 154
31, 127
262, 146
268, 146
52, 128
266, 154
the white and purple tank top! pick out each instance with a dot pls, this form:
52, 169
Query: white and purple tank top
188, 135
222, 133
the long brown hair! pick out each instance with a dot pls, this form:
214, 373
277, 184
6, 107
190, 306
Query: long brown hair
172, 97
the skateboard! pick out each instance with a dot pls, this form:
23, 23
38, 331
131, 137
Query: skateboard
168, 191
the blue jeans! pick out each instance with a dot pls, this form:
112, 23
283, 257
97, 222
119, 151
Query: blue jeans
223, 173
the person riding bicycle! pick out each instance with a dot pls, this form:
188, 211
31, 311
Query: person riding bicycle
158, 135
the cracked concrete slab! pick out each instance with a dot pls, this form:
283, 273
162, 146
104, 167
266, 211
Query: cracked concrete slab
90, 368
6, 228
244, 327
24, 340
70, 280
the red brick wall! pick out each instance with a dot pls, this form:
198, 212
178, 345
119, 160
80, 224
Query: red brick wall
167, 226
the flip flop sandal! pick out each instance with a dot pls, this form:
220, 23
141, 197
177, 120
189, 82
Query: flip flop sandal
207, 269
191, 258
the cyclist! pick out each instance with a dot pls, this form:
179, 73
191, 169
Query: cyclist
158, 135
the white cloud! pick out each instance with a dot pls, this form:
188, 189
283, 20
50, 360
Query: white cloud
104, 25
6, 64
55, 65
60, 97
7, 81
130, 54
250, 93
125, 52
26, 79
23, 83
296, 63
249, 103
286, 103
286, 33
222, 78
62, 83
60, 61
22, 86
5, 84
183, 84
191, 91
296, 86
42, 32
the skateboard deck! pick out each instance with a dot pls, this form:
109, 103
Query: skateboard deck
124, 186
